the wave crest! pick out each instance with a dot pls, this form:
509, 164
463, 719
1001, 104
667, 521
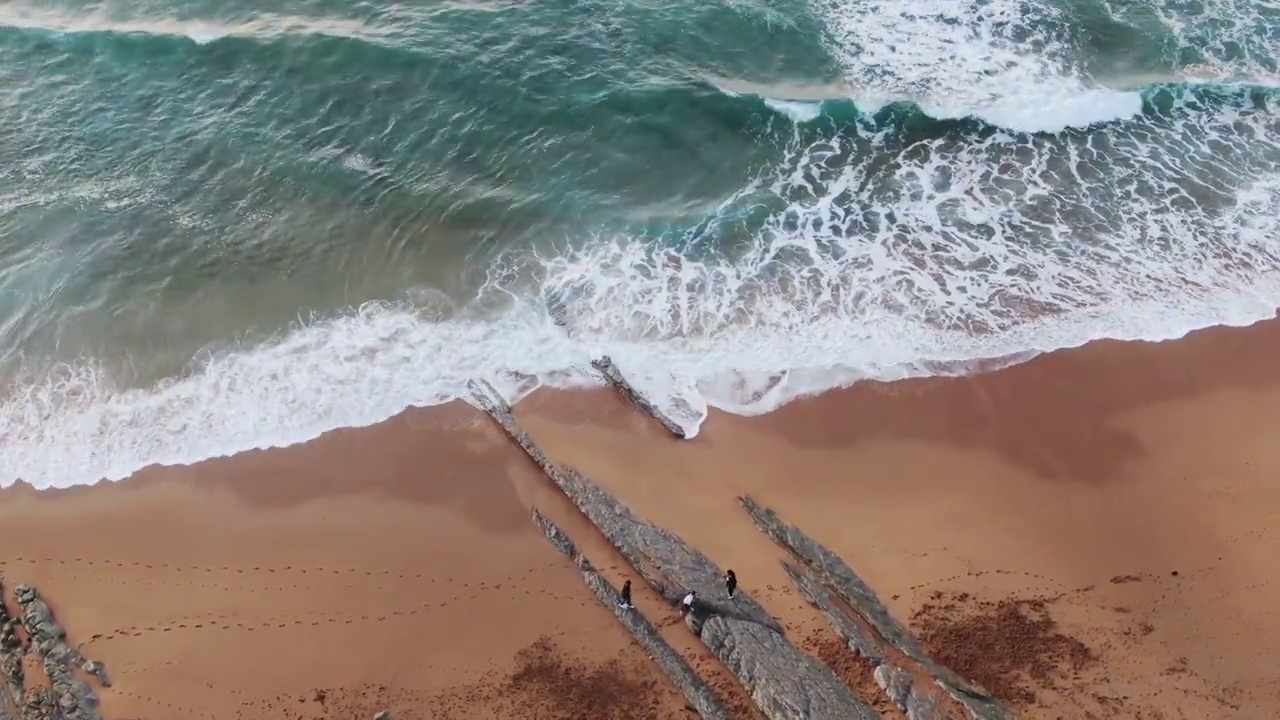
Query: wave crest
1013, 64
263, 26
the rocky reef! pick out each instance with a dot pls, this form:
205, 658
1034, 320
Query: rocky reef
784, 682
64, 693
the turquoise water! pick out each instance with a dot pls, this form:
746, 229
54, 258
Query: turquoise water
233, 225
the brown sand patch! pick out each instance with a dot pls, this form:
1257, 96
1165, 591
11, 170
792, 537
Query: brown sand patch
544, 682
1012, 647
547, 685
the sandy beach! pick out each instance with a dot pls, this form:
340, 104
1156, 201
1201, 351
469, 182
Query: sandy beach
389, 568
1085, 535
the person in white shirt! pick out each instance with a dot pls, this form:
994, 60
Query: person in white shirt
687, 603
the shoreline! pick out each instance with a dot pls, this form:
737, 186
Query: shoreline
279, 394
1069, 489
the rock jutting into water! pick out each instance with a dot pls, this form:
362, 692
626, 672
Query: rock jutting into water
918, 685
696, 690
783, 682
67, 697
616, 380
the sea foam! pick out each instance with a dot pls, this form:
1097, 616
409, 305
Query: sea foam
690, 335
989, 60
796, 110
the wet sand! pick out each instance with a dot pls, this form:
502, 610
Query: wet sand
1089, 534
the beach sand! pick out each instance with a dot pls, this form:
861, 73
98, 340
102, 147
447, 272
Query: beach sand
1085, 534
388, 568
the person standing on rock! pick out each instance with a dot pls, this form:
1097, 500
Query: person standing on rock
730, 583
626, 596
686, 605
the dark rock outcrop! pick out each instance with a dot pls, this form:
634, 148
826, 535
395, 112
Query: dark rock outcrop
784, 682
700, 695
616, 380
68, 697
11, 689
910, 678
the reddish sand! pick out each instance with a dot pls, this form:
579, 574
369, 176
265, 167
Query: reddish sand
1086, 534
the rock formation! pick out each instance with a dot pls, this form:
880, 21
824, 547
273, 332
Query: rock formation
616, 380
918, 685
784, 682
12, 691
700, 695
66, 697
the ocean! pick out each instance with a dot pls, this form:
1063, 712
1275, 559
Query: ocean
233, 225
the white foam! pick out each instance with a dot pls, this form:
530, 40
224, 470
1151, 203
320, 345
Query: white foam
799, 112
1046, 107
801, 107
969, 58
803, 312
73, 428
73, 425
1226, 40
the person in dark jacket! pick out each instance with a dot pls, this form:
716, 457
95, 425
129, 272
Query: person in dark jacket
626, 596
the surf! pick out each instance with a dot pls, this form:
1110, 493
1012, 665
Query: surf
789, 321
1043, 111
